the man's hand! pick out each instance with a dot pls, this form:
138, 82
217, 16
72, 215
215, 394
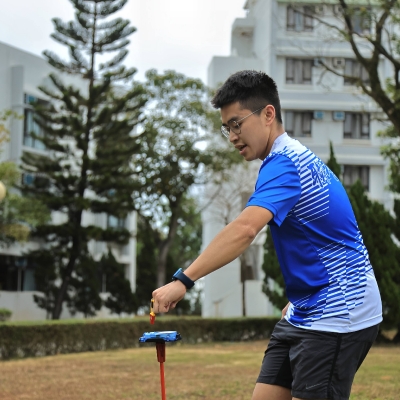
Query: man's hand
166, 297
284, 311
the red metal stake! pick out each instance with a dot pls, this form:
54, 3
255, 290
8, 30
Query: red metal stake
161, 359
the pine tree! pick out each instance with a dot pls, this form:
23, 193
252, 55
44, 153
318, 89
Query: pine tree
377, 226
146, 261
274, 285
88, 137
120, 299
332, 163
85, 288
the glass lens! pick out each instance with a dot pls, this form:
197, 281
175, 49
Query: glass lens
234, 127
225, 131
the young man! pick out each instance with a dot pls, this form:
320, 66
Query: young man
332, 318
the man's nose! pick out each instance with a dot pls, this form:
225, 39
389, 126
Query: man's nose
233, 137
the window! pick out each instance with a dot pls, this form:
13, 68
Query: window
115, 222
298, 71
30, 125
40, 181
361, 20
353, 173
299, 19
16, 274
298, 123
356, 126
354, 68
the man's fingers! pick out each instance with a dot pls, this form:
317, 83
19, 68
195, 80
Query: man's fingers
166, 297
161, 307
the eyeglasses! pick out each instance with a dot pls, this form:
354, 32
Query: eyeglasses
234, 125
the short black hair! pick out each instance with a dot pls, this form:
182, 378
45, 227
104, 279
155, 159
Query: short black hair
252, 89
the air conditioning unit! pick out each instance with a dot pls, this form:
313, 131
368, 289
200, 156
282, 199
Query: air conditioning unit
338, 62
319, 115
338, 115
318, 61
337, 9
320, 9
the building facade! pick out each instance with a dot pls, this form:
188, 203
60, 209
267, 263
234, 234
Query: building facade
281, 39
21, 74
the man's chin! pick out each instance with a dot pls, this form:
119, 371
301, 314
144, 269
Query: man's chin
250, 158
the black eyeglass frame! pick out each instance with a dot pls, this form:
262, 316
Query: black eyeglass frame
225, 129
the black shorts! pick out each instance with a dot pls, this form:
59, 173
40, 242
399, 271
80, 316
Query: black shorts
315, 364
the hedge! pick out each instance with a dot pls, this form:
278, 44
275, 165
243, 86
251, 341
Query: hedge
19, 341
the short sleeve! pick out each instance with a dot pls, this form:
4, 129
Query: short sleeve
278, 187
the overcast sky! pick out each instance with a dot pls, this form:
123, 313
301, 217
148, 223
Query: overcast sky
171, 34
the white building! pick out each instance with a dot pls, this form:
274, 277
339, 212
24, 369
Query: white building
277, 39
20, 75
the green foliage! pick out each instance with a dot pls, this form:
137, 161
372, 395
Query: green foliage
18, 341
274, 285
18, 215
146, 262
374, 26
392, 153
89, 141
332, 163
377, 227
120, 297
85, 288
184, 249
175, 155
5, 314
5, 117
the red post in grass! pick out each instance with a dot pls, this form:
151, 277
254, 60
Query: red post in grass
160, 346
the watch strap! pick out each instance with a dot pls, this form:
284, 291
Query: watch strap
180, 276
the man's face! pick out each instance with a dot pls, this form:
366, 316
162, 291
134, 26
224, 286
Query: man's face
252, 141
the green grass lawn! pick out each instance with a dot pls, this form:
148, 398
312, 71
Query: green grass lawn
207, 371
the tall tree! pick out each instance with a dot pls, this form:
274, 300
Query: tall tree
371, 30
332, 163
273, 286
378, 227
120, 298
175, 157
89, 140
184, 249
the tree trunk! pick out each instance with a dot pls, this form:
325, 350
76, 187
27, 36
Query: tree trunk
164, 248
76, 248
243, 281
77, 220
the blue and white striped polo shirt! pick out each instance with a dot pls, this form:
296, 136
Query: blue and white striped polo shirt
328, 276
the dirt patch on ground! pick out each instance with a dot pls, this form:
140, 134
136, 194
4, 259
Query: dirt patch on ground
222, 371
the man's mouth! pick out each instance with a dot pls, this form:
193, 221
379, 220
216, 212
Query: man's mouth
241, 148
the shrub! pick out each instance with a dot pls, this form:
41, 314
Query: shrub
5, 314
18, 341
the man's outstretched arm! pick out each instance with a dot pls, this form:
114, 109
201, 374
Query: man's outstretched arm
229, 244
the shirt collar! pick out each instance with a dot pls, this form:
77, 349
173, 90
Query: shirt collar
277, 141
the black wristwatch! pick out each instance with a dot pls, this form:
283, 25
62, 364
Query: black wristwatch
180, 276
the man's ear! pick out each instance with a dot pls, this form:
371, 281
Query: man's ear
269, 113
